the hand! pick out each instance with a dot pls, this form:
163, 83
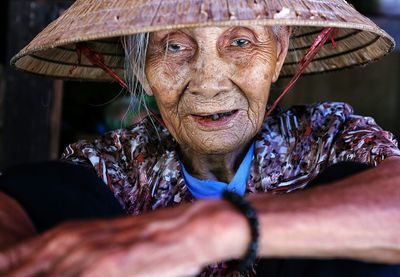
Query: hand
168, 242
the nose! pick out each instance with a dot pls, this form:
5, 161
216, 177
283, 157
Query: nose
209, 76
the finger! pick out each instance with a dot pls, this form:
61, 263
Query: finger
38, 255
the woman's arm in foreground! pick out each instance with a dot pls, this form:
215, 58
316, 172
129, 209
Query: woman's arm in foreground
357, 217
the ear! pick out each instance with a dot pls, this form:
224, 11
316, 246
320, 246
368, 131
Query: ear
282, 46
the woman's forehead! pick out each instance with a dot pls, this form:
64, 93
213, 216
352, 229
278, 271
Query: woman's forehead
199, 31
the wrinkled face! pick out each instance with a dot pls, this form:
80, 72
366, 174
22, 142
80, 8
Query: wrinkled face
212, 84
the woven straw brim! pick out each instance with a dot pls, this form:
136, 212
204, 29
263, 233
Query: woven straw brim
102, 23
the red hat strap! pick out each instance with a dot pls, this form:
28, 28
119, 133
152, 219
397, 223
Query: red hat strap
326, 33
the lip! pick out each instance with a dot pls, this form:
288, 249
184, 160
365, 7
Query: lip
222, 123
208, 113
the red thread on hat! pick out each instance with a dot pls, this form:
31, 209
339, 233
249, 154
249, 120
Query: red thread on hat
318, 43
98, 60
77, 63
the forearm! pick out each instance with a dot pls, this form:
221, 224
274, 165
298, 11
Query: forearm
355, 218
358, 217
325, 229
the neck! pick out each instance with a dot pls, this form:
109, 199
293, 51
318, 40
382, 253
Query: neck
218, 167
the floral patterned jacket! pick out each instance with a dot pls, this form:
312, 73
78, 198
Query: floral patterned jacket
139, 164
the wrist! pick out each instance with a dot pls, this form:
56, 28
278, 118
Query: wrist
245, 208
222, 233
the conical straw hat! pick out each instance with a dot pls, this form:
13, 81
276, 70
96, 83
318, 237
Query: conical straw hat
101, 23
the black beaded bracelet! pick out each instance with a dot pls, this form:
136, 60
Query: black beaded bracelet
245, 208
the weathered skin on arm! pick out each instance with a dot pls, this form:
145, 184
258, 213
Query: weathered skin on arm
156, 244
354, 218
357, 217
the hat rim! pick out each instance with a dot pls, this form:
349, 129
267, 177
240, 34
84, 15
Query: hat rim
265, 22
101, 23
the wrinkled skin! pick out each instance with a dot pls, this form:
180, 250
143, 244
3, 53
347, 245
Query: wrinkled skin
126, 246
362, 210
205, 71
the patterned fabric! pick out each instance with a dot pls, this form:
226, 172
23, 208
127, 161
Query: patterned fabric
140, 166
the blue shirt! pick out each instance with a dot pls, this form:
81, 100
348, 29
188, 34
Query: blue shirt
210, 189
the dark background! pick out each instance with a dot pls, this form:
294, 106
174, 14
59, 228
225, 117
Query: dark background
40, 116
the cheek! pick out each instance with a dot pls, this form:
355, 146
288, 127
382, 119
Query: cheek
166, 80
261, 64
254, 76
167, 83
254, 66
160, 76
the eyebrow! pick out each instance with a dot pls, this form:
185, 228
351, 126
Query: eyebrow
168, 32
188, 32
240, 28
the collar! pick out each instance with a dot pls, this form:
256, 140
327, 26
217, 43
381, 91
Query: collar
210, 189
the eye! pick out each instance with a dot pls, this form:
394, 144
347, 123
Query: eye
175, 47
241, 42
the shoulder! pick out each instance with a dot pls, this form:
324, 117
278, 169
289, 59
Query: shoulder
317, 119
327, 132
302, 132
294, 145
127, 160
120, 148
321, 114
111, 143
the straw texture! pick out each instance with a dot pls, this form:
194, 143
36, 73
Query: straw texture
102, 22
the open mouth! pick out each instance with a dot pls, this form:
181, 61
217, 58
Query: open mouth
215, 120
216, 116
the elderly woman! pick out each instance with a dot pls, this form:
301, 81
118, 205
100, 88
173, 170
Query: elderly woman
210, 67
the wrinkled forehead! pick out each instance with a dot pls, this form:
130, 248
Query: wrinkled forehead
259, 31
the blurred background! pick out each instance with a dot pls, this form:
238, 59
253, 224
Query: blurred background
40, 116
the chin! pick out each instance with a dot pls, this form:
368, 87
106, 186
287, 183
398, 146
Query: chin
219, 148
216, 142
